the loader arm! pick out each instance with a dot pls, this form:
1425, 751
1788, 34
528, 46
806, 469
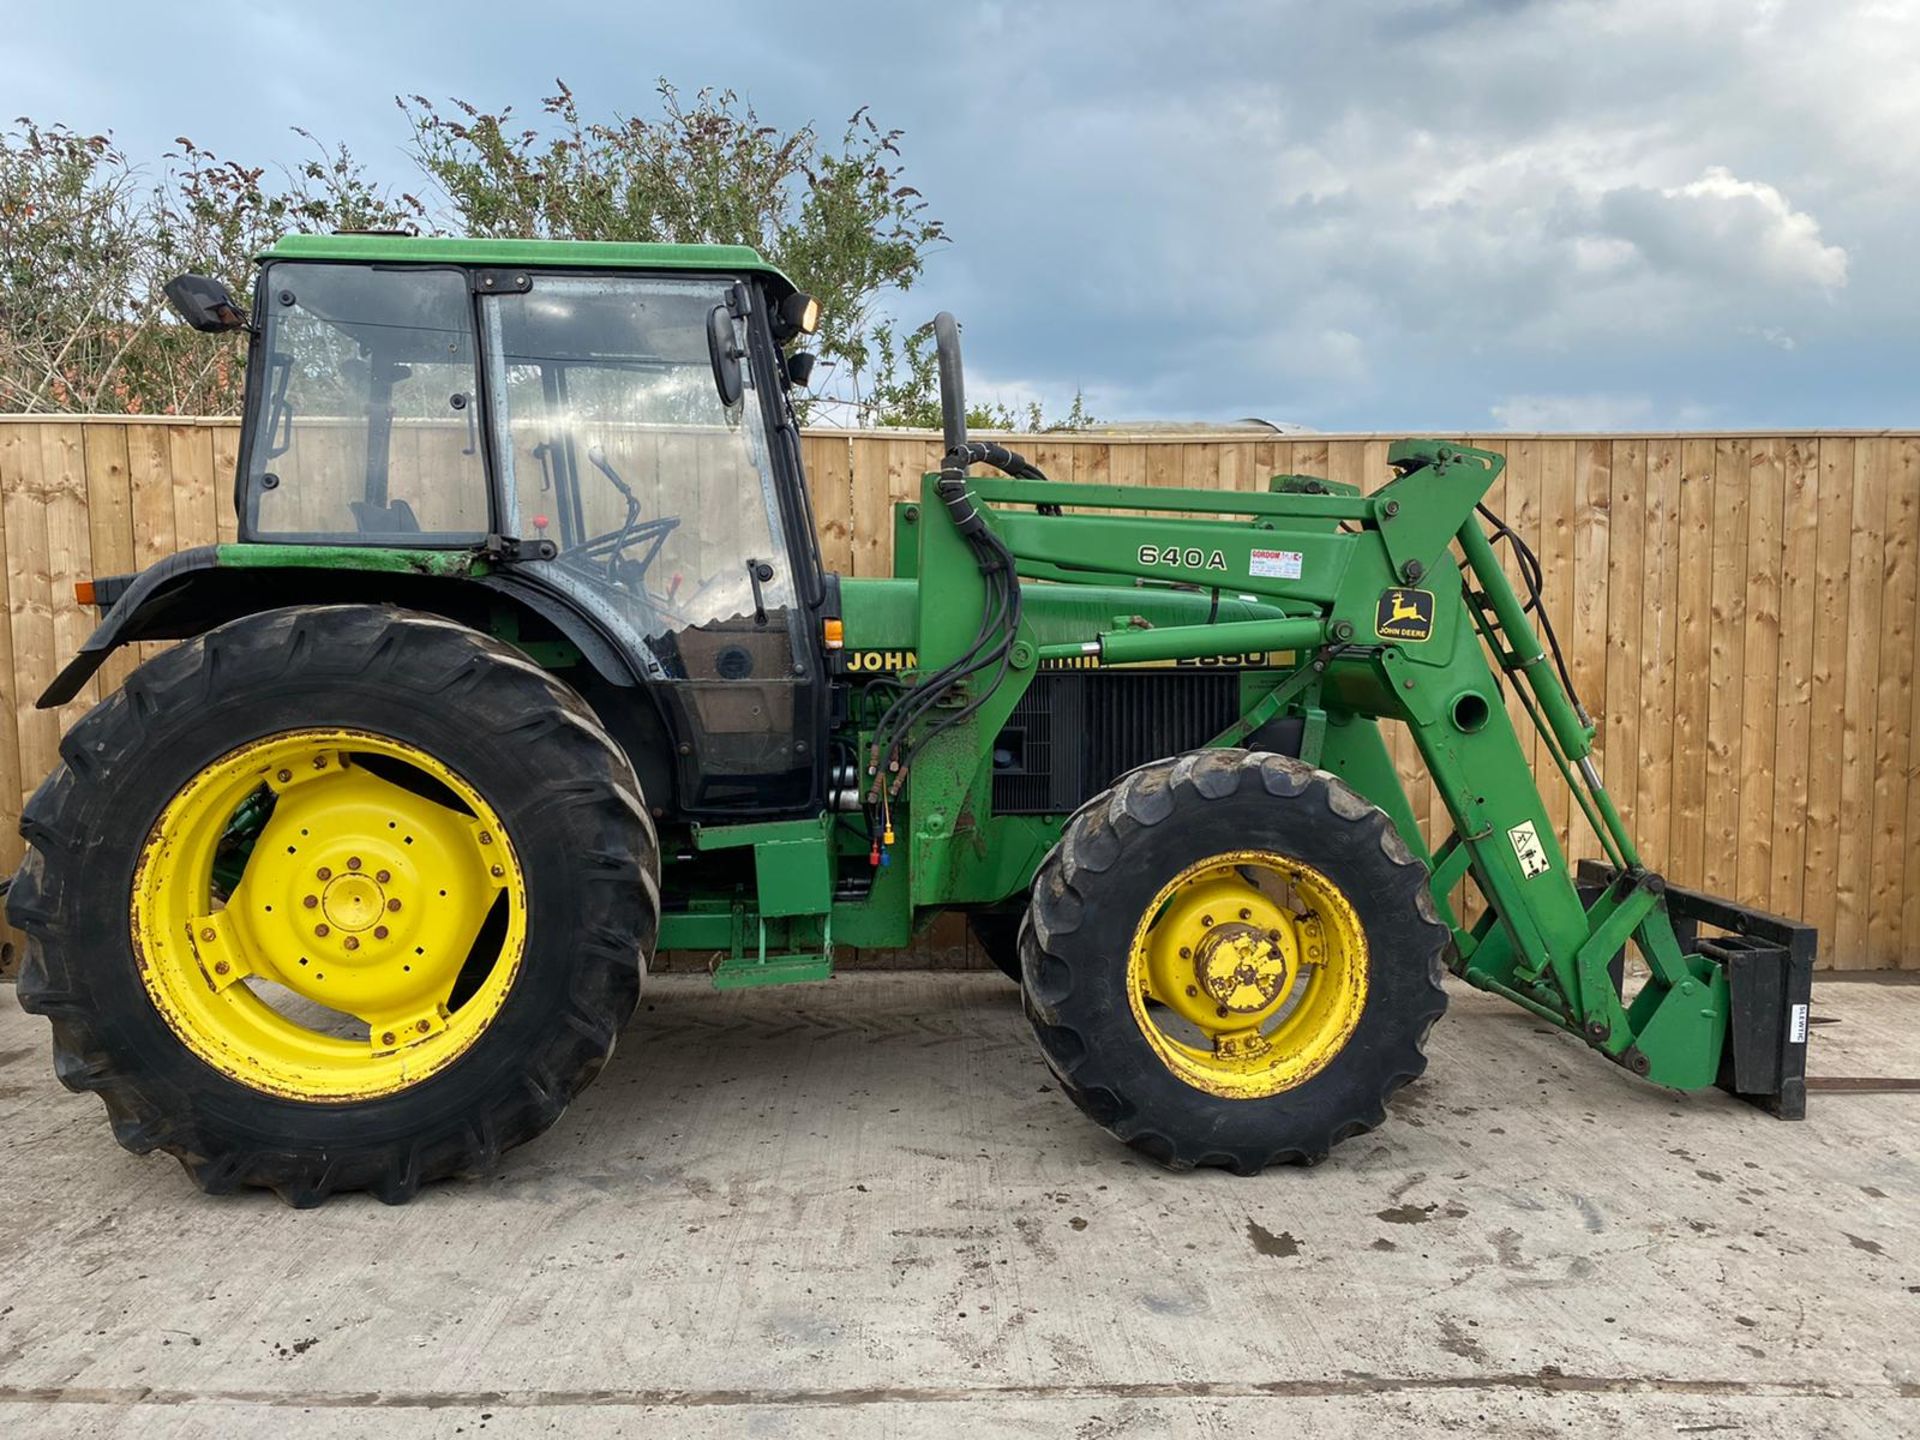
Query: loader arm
1394, 608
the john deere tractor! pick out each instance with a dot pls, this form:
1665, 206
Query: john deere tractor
525, 664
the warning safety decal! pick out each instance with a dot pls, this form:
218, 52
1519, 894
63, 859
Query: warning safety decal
1528, 849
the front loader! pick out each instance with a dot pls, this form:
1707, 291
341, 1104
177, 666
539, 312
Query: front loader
525, 664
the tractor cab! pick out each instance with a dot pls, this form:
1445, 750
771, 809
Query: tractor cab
619, 438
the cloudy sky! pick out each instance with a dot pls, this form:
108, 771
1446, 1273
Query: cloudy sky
1499, 214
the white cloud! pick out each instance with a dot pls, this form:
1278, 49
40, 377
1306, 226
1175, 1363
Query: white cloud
1729, 228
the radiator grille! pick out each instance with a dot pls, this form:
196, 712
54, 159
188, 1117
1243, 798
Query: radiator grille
1074, 731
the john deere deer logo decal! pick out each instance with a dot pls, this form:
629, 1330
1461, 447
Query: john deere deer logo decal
1404, 615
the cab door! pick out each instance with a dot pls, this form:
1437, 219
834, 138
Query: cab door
664, 505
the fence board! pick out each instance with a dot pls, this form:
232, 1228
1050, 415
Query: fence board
1743, 611
1908, 458
1726, 658
1657, 646
1826, 760
1558, 504
1893, 706
1587, 646
1852, 871
1799, 608
1760, 665
1626, 553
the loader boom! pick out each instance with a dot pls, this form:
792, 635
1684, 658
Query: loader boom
1390, 606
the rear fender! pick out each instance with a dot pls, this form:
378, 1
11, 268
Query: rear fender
192, 592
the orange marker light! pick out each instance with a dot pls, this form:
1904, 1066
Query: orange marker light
834, 632
83, 592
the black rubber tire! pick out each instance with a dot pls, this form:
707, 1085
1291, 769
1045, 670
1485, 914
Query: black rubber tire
564, 790
997, 933
1119, 849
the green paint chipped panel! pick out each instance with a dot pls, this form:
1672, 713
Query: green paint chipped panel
452, 563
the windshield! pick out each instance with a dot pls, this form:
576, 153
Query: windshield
362, 423
615, 446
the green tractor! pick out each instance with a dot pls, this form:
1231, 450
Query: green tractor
526, 664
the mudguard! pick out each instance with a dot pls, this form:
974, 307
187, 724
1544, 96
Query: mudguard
192, 592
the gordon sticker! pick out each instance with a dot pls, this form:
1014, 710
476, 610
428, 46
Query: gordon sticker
1528, 849
1404, 615
1275, 564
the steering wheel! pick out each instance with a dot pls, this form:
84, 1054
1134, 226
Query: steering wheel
611, 546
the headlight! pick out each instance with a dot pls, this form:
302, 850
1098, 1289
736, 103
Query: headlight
799, 315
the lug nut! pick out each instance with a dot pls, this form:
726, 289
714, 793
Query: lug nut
207, 934
379, 932
353, 862
383, 876
285, 776
353, 942
221, 967
1192, 990
323, 931
496, 871
393, 904
486, 838
323, 873
1207, 920
311, 901
1246, 914
386, 1037
1221, 1012
1185, 953
319, 762
424, 1026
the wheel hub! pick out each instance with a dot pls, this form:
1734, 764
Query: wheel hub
353, 902
1241, 968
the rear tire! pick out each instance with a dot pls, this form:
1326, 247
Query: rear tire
1094, 901
564, 794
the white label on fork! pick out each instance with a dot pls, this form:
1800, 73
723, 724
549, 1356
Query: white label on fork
1528, 849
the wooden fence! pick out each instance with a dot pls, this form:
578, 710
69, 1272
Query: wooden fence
1740, 611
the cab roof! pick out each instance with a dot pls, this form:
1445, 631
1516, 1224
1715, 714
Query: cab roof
387, 249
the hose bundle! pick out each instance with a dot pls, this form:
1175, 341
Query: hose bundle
890, 754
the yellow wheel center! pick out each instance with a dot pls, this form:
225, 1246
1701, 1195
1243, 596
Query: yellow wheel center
1248, 973
370, 871
353, 902
1241, 968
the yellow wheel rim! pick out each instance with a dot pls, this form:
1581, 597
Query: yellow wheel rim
375, 926
1259, 967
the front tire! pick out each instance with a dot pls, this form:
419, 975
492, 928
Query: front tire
1232, 959
336, 898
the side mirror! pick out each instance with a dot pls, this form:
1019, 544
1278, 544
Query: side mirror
800, 368
205, 304
725, 356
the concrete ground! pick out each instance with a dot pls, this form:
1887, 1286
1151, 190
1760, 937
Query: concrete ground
862, 1208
